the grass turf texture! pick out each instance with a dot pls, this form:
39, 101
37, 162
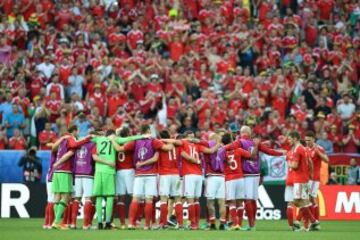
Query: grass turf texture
28, 229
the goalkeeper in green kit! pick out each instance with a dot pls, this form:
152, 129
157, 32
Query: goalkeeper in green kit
104, 156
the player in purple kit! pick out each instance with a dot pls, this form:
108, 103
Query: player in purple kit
251, 169
84, 180
49, 209
145, 184
215, 182
63, 170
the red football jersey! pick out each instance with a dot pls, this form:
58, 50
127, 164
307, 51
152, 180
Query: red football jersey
233, 165
192, 150
124, 161
316, 160
290, 173
168, 162
301, 174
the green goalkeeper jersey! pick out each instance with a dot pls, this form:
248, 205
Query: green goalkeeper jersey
106, 151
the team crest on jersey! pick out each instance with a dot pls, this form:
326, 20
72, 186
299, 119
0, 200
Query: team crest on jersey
142, 152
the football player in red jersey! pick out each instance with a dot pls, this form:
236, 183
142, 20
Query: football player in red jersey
124, 178
317, 155
302, 167
289, 190
193, 171
170, 184
234, 180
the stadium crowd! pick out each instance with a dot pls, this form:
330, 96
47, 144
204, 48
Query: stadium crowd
184, 65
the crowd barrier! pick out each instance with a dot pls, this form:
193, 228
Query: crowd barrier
275, 167
336, 202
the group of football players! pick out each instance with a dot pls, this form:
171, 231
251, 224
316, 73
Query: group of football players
107, 166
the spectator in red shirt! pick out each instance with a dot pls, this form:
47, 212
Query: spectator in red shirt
53, 105
3, 139
350, 141
17, 141
46, 136
99, 98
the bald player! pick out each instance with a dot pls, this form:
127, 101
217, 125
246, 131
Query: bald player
251, 170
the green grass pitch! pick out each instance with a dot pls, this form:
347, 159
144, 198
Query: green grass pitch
28, 229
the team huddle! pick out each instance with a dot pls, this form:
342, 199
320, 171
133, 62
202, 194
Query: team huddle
105, 167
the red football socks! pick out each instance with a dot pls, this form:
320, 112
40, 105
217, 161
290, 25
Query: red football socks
299, 215
148, 213
179, 213
51, 213
254, 210
87, 213
153, 216
74, 212
46, 220
122, 212
290, 215
233, 215
163, 213
140, 211
197, 213
192, 213
133, 212
315, 211
308, 215
67, 213
249, 212
240, 215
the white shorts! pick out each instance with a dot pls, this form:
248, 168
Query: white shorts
215, 187
83, 187
145, 186
314, 188
125, 181
251, 187
235, 189
193, 185
301, 191
170, 185
289, 194
50, 194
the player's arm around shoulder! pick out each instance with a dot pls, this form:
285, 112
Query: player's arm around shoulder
97, 159
159, 144
64, 158
150, 161
189, 158
115, 143
55, 146
172, 141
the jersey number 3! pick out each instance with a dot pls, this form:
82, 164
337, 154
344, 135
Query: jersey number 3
232, 162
